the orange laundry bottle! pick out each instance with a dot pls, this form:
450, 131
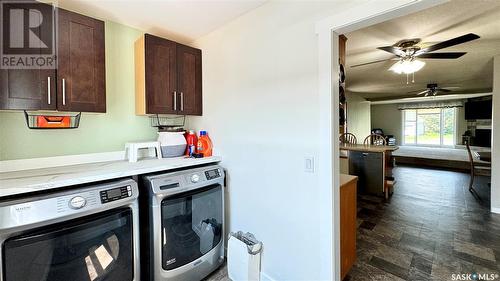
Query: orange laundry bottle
204, 144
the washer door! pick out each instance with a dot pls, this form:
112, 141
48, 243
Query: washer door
93, 248
191, 225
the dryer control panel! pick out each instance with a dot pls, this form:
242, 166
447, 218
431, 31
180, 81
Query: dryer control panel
110, 195
212, 174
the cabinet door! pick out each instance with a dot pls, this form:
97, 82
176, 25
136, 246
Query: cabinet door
348, 229
27, 89
81, 63
189, 80
30, 89
160, 75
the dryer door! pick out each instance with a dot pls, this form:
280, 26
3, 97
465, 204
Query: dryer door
93, 248
191, 225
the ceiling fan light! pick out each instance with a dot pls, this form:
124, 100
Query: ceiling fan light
407, 66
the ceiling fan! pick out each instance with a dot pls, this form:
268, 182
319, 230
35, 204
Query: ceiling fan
407, 52
433, 89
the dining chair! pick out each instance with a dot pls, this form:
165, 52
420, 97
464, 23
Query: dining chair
375, 139
475, 168
348, 138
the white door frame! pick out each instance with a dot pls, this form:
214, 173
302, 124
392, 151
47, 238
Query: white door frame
362, 15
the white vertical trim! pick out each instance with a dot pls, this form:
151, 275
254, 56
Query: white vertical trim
328, 158
495, 135
403, 127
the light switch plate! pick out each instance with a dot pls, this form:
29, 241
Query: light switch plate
309, 164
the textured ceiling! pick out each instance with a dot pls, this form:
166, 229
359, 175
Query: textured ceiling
472, 72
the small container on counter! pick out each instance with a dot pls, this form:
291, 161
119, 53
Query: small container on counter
172, 143
204, 144
192, 142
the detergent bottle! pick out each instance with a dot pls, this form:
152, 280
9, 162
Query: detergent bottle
204, 144
192, 142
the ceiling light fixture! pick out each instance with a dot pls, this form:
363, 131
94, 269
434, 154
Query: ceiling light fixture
407, 66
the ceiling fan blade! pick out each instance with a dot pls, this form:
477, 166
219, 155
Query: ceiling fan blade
448, 43
443, 90
372, 62
452, 55
413, 92
426, 92
393, 50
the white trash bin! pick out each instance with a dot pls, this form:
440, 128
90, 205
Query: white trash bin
243, 257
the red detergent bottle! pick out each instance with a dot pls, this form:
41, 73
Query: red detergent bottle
192, 142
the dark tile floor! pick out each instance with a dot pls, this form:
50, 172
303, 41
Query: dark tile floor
431, 228
218, 275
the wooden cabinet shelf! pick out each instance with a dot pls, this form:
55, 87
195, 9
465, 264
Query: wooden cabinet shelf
168, 77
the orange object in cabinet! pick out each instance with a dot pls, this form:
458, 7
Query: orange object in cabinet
53, 121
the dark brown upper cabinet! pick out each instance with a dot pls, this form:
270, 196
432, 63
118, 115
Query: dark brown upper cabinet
30, 89
81, 75
168, 77
26, 89
78, 82
189, 79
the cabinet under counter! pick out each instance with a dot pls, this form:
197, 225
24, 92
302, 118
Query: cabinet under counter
348, 222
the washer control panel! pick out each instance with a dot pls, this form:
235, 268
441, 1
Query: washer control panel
212, 174
110, 195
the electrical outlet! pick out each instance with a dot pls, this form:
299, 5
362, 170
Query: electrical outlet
309, 164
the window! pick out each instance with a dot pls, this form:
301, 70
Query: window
433, 126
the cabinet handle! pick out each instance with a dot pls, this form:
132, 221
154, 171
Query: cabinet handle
182, 101
48, 90
64, 91
175, 100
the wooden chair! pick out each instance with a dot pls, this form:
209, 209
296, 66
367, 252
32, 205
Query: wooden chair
475, 168
375, 139
348, 138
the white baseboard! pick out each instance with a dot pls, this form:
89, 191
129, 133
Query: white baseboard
495, 210
58, 161
265, 277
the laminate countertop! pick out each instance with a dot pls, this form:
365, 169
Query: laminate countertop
346, 179
26, 181
368, 148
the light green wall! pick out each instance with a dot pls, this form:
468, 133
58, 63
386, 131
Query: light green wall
388, 118
97, 132
358, 116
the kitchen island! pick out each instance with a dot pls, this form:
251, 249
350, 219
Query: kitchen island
373, 165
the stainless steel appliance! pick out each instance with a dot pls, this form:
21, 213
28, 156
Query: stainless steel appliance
369, 167
83, 234
182, 235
